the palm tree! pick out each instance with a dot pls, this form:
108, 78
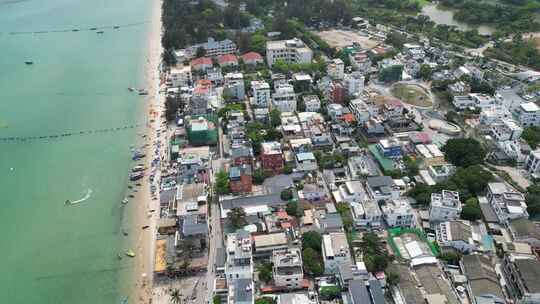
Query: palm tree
176, 296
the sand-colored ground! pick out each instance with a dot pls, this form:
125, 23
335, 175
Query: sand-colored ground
145, 238
342, 38
412, 94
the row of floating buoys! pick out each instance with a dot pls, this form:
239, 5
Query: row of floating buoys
78, 30
54, 136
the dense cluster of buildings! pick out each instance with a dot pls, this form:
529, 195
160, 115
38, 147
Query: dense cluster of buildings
325, 163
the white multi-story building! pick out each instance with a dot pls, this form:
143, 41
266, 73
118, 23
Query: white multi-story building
239, 263
528, 114
180, 77
361, 110
336, 69
312, 103
284, 98
234, 85
532, 164
351, 191
335, 251
473, 100
261, 94
506, 202
290, 51
506, 129
215, 48
493, 114
287, 270
456, 235
366, 215
360, 62
354, 83
444, 206
398, 213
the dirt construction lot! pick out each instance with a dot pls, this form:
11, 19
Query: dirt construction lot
341, 38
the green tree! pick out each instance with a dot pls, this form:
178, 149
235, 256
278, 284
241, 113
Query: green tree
258, 43
201, 52
176, 296
265, 271
292, 209
421, 193
172, 104
258, 176
312, 239
275, 118
312, 262
375, 257
425, 72
222, 182
392, 278
532, 198
464, 152
216, 300
287, 169
345, 212
451, 257
471, 211
532, 136
330, 292
286, 194
237, 217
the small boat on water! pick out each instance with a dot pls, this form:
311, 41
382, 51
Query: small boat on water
143, 92
116, 27
28, 62
130, 253
93, 28
145, 227
75, 30
100, 32
137, 168
125, 201
136, 176
67, 202
119, 256
131, 89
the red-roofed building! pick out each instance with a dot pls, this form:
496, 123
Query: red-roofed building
252, 58
348, 118
227, 60
201, 64
337, 92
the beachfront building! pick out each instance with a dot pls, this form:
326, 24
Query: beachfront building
284, 98
287, 270
532, 164
445, 206
261, 94
180, 76
201, 64
215, 48
289, 51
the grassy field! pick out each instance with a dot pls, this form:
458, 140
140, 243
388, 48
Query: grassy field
412, 94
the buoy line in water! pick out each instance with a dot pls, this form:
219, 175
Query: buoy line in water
61, 135
74, 30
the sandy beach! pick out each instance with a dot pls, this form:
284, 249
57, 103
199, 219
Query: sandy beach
145, 239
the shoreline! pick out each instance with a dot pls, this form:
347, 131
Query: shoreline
145, 239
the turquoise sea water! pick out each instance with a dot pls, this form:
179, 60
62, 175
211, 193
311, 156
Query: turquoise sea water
50, 253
